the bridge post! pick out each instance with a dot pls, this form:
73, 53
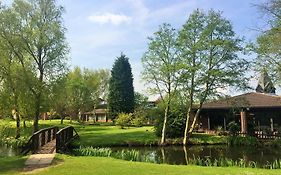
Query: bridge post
43, 138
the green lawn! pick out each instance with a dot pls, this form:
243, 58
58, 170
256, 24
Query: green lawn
109, 166
112, 135
11, 165
92, 135
95, 135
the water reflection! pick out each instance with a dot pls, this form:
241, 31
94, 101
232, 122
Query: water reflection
8, 151
179, 155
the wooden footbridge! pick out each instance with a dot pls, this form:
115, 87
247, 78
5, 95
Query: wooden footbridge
50, 140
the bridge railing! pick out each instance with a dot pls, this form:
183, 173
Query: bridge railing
64, 137
39, 139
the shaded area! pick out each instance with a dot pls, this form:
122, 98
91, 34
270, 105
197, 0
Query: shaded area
8, 151
11, 165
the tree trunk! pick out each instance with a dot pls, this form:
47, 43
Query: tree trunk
37, 114
194, 120
38, 99
24, 123
185, 154
16, 114
167, 110
61, 119
186, 127
163, 138
18, 124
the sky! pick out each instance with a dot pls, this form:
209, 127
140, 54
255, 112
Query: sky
99, 30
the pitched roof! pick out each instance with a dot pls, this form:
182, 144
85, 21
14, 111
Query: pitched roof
265, 84
248, 100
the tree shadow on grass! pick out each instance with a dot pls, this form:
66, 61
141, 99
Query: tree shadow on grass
11, 164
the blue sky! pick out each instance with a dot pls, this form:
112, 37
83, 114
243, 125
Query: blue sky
98, 31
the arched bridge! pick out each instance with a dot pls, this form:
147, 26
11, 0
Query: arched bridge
49, 140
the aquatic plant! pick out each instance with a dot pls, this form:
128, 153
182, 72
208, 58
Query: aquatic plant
90, 151
135, 155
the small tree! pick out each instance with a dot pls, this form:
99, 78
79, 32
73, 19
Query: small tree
123, 120
160, 65
121, 90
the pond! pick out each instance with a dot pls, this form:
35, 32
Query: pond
8, 151
178, 154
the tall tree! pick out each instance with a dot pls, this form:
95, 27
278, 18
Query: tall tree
268, 45
35, 33
160, 64
209, 51
83, 88
121, 89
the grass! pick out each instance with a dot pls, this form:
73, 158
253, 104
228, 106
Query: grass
90, 135
104, 166
102, 136
114, 136
11, 165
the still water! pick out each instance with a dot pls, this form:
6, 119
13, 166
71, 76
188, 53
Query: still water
179, 154
8, 151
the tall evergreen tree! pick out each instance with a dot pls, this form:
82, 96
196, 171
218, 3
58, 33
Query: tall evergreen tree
121, 89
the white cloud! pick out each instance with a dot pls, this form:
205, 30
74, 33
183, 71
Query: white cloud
115, 19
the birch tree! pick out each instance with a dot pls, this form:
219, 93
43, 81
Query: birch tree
209, 57
160, 68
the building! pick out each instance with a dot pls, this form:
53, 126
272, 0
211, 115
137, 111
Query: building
255, 111
99, 113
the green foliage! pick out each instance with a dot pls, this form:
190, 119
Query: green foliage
160, 64
141, 101
139, 117
233, 128
90, 151
33, 34
81, 91
7, 134
123, 120
208, 49
243, 141
276, 143
129, 155
175, 120
134, 155
269, 42
121, 91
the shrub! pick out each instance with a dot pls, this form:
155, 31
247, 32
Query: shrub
175, 121
123, 120
138, 121
233, 128
242, 141
139, 118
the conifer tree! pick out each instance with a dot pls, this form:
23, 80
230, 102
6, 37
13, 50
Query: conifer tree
121, 89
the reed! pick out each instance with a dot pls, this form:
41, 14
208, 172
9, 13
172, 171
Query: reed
134, 155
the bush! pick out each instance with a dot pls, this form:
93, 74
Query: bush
139, 118
175, 123
123, 120
243, 141
233, 128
